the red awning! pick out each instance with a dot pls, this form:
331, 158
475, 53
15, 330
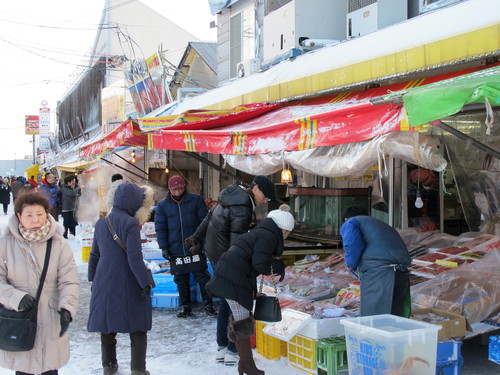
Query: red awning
302, 124
127, 134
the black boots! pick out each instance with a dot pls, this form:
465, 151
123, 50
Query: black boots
185, 312
240, 332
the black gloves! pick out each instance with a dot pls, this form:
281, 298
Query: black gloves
146, 292
278, 268
26, 303
65, 320
193, 244
166, 254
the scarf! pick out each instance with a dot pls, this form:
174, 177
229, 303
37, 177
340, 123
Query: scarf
35, 235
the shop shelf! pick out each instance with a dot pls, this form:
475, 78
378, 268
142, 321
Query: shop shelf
302, 353
268, 346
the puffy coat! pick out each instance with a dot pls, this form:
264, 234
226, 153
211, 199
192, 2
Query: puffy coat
69, 197
110, 198
119, 276
177, 220
19, 276
4, 193
368, 239
237, 269
52, 192
228, 220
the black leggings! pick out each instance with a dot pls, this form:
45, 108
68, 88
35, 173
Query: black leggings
51, 372
5, 207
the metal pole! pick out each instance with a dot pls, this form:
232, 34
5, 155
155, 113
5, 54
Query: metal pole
34, 150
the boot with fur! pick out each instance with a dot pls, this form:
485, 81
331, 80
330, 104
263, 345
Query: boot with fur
240, 332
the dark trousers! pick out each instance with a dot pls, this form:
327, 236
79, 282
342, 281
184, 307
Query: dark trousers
222, 324
184, 286
401, 299
138, 348
54, 211
51, 372
5, 207
69, 222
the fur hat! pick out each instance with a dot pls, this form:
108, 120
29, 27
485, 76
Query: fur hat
283, 219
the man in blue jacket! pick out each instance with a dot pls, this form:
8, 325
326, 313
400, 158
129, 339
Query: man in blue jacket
381, 258
177, 217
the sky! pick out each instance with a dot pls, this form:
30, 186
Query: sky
42, 45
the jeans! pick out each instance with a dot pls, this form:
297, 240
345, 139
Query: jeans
222, 323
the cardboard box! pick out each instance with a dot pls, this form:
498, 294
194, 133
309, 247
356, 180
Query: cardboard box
454, 327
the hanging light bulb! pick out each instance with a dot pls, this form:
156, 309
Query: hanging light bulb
133, 160
133, 155
418, 202
286, 175
167, 170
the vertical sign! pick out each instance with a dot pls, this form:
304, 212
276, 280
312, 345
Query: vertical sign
31, 125
44, 123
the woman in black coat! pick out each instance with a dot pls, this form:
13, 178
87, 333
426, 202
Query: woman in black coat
235, 278
5, 194
121, 282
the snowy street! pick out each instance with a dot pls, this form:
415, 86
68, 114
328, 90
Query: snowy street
175, 345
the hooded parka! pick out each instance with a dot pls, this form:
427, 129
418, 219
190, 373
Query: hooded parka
19, 275
118, 276
250, 256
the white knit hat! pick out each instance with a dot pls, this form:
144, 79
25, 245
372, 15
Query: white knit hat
283, 219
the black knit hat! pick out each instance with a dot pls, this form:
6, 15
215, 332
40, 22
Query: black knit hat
266, 186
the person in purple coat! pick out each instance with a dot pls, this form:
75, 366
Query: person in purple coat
121, 282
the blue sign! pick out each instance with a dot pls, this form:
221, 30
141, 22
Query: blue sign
217, 5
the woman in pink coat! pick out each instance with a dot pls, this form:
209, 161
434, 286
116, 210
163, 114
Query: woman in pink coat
23, 245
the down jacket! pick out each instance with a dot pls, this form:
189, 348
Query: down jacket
118, 276
20, 276
177, 220
250, 256
225, 222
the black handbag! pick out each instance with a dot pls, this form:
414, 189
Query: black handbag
18, 328
267, 308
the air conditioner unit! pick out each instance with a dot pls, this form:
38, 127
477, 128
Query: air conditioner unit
247, 67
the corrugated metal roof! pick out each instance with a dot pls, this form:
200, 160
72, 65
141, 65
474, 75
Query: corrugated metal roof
208, 52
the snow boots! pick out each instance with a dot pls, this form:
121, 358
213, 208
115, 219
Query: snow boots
240, 332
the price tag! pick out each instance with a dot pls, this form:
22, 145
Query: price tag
292, 322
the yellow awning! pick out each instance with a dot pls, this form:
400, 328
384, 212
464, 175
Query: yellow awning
75, 166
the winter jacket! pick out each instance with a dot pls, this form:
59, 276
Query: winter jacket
226, 221
177, 220
19, 276
110, 198
16, 188
69, 197
249, 256
368, 239
52, 192
4, 193
119, 276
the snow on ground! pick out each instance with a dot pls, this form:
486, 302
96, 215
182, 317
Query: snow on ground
175, 346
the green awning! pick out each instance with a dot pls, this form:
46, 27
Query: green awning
445, 98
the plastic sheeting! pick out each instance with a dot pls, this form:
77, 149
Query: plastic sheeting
352, 159
472, 290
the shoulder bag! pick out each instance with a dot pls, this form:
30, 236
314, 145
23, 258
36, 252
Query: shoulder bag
18, 328
122, 244
267, 308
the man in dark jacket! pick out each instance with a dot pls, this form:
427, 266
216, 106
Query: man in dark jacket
70, 194
225, 222
177, 217
53, 193
378, 253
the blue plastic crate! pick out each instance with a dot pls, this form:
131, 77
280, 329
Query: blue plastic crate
494, 349
164, 283
165, 300
449, 359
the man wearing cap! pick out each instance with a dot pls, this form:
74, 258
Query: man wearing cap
228, 220
177, 217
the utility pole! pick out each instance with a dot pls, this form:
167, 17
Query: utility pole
34, 156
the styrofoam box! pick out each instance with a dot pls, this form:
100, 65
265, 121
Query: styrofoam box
322, 328
387, 343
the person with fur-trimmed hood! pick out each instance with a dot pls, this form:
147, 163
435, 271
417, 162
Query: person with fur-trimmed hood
121, 282
235, 278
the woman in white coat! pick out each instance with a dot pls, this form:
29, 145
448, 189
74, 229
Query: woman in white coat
23, 245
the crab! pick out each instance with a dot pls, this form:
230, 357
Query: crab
406, 366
